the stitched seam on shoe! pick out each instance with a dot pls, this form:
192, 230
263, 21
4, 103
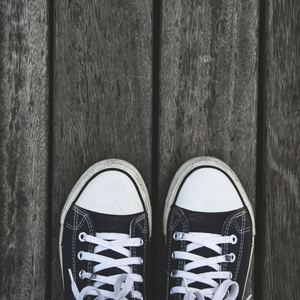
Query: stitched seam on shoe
175, 224
73, 227
181, 262
74, 243
90, 228
233, 219
133, 251
84, 215
140, 218
182, 248
169, 256
168, 259
145, 254
69, 226
225, 265
241, 247
241, 230
90, 247
136, 223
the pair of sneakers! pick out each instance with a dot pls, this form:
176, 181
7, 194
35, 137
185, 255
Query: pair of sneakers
106, 228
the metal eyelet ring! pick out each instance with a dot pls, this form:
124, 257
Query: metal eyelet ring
234, 239
173, 273
81, 274
81, 236
79, 255
142, 260
230, 275
178, 236
173, 255
141, 242
232, 257
175, 236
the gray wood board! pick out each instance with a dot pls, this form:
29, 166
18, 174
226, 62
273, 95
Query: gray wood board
208, 92
23, 149
281, 215
102, 95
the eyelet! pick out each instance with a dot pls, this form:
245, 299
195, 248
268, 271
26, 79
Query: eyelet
141, 261
79, 255
234, 239
230, 275
173, 255
173, 273
81, 236
81, 274
178, 236
175, 236
232, 257
141, 242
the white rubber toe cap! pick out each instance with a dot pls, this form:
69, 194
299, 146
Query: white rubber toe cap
208, 190
111, 192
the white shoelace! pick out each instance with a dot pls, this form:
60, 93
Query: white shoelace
123, 283
217, 291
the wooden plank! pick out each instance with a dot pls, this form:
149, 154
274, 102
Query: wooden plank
23, 149
281, 231
102, 94
208, 97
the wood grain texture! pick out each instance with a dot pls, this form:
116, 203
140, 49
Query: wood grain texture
23, 149
102, 94
208, 91
281, 218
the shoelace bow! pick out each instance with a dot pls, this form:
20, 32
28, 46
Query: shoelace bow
122, 283
227, 288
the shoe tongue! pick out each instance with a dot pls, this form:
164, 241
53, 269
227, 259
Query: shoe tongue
207, 223
111, 223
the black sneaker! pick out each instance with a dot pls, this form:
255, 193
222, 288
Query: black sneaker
209, 229
105, 230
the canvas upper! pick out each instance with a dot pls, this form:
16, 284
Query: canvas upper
105, 233
209, 229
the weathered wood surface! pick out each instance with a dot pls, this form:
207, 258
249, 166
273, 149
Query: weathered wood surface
281, 214
208, 91
103, 108
23, 149
102, 94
